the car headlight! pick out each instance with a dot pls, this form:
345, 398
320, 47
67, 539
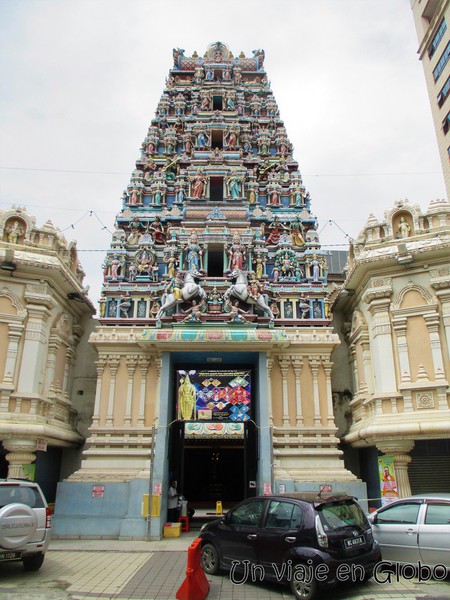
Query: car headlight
203, 527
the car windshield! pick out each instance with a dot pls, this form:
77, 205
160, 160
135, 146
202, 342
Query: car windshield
10, 494
341, 514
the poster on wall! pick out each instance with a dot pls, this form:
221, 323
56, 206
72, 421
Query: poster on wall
388, 483
213, 395
29, 471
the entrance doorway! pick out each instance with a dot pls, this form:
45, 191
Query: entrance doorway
214, 472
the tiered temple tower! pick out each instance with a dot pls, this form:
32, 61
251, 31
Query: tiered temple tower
214, 341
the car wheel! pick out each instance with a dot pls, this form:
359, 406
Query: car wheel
210, 559
302, 587
33, 562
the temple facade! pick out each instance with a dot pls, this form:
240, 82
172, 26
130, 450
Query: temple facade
214, 340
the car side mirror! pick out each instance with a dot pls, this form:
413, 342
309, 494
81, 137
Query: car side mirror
373, 519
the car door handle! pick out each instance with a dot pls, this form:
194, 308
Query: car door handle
252, 536
290, 539
410, 531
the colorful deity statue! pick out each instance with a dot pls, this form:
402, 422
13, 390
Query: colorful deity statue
234, 183
198, 184
236, 253
193, 253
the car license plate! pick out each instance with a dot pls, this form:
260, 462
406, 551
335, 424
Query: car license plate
10, 555
351, 542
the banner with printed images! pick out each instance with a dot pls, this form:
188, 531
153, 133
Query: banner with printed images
213, 395
388, 482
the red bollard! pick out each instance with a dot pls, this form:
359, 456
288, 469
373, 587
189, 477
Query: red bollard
195, 586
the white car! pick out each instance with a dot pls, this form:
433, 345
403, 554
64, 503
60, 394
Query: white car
25, 523
414, 529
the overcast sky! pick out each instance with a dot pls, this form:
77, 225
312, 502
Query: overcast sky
81, 79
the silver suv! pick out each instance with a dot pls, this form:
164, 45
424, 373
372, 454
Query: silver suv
25, 523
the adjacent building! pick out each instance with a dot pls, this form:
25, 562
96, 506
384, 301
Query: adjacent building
393, 316
431, 19
45, 373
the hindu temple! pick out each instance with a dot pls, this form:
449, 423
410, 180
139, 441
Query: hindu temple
214, 336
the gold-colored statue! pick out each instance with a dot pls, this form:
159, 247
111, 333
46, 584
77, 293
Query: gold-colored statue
186, 400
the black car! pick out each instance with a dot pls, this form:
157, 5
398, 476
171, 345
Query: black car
306, 540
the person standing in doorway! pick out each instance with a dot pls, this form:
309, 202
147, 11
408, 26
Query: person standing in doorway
172, 505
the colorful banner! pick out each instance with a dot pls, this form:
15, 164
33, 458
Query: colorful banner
388, 483
214, 430
213, 395
29, 471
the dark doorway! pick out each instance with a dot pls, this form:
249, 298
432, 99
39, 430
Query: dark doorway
216, 189
215, 262
217, 102
214, 471
217, 139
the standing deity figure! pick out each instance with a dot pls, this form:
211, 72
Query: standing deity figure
236, 253
172, 263
259, 266
199, 74
296, 233
186, 399
157, 230
404, 228
198, 185
304, 307
14, 230
314, 265
234, 185
254, 287
193, 253
203, 139
115, 265
275, 230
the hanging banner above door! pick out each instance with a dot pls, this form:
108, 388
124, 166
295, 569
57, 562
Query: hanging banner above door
213, 430
214, 395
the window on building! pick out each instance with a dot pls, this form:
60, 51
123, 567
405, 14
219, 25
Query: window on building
437, 38
217, 139
446, 123
442, 62
217, 102
216, 189
443, 94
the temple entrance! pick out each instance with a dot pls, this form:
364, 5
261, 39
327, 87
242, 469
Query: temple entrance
214, 471
212, 468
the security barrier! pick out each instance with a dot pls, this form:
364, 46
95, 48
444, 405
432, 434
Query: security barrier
195, 586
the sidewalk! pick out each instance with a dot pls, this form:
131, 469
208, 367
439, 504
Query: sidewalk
139, 570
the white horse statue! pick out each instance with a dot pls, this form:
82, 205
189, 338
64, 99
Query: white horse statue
190, 289
239, 290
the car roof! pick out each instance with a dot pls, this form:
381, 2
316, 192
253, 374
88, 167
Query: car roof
312, 497
26, 482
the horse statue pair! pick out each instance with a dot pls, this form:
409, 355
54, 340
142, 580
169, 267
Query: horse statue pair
192, 288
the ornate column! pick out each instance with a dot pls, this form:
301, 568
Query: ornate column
14, 335
20, 452
51, 363
101, 363
113, 363
131, 367
70, 356
432, 321
297, 363
284, 362
315, 373
378, 298
399, 450
269, 362
327, 366
440, 281
399, 325
158, 362
144, 363
367, 362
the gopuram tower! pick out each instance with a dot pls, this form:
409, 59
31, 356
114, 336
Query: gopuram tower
214, 336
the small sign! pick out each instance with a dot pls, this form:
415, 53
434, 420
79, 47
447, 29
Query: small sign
267, 489
252, 484
282, 487
326, 489
157, 489
98, 491
41, 445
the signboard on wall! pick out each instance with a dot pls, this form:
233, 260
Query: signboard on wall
213, 395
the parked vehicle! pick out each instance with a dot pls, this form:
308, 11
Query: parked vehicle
414, 529
303, 539
25, 523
